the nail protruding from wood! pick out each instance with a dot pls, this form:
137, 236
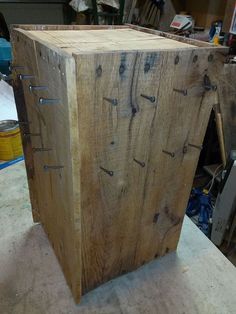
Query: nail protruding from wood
150, 98
31, 134
195, 146
23, 77
181, 91
111, 173
47, 167
40, 149
169, 153
140, 163
15, 67
112, 101
33, 88
48, 101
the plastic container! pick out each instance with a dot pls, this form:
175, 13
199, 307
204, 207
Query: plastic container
10, 140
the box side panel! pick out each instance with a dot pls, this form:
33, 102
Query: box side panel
140, 136
25, 116
53, 131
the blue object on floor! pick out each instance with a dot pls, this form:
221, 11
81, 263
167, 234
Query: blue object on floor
200, 204
5, 56
11, 162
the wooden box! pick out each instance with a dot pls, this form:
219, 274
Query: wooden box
112, 121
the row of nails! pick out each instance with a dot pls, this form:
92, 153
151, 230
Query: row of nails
142, 164
41, 101
44, 101
172, 154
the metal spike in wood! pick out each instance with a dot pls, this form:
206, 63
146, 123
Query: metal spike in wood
48, 168
41, 149
48, 101
111, 173
33, 88
15, 67
150, 98
23, 77
112, 101
172, 154
140, 163
31, 134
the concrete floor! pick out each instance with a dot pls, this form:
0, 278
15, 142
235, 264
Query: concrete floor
196, 279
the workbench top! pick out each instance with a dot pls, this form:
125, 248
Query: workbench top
195, 279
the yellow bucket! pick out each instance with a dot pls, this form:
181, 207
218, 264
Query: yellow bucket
10, 140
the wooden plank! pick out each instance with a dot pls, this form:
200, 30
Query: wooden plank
21, 59
134, 218
59, 205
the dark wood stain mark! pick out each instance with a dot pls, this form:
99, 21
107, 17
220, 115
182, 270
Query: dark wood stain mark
155, 218
122, 67
174, 219
210, 58
149, 61
177, 60
99, 71
195, 58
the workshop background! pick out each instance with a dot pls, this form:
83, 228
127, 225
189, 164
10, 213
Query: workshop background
31, 280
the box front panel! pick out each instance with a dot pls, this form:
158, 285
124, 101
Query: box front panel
142, 120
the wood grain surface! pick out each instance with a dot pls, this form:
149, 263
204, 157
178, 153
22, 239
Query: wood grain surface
124, 133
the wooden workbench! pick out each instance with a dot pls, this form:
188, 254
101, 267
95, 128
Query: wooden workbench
196, 279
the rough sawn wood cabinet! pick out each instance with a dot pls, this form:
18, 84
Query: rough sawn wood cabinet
112, 121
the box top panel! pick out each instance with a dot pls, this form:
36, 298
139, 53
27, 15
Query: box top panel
106, 40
